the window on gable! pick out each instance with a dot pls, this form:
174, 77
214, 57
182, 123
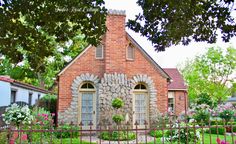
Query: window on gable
99, 52
130, 52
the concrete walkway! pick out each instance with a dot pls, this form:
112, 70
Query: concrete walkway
141, 139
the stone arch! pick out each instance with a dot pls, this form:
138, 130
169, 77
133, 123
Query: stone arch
71, 113
151, 90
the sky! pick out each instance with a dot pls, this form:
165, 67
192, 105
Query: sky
173, 56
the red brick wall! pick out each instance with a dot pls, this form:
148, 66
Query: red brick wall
85, 64
181, 101
142, 65
115, 43
114, 60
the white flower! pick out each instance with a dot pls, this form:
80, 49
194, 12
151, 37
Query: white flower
67, 58
69, 43
51, 59
21, 63
60, 49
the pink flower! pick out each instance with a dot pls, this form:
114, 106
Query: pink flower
39, 114
53, 114
45, 118
221, 142
24, 137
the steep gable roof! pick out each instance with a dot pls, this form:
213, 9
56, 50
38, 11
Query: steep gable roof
163, 73
177, 82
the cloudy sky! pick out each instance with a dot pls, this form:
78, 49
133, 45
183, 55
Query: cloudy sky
172, 56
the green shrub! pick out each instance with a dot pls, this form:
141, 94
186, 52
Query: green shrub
204, 98
3, 137
48, 102
115, 135
202, 116
117, 103
67, 131
213, 130
217, 122
117, 118
227, 114
158, 133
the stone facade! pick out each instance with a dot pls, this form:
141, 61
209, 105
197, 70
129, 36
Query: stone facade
71, 113
111, 86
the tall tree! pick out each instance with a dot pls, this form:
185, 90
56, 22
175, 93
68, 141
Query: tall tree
211, 74
32, 29
53, 64
170, 22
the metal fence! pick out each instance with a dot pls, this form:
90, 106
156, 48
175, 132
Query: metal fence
164, 133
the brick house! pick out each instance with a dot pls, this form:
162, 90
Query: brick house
118, 67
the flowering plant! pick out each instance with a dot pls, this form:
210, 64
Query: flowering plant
43, 117
17, 115
183, 132
221, 141
200, 112
225, 111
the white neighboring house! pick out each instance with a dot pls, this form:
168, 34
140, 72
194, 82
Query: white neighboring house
12, 91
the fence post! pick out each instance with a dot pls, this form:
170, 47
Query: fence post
145, 123
19, 132
209, 122
232, 130
170, 126
110, 131
90, 131
81, 131
71, 132
118, 128
202, 131
127, 131
163, 125
100, 132
224, 121
136, 130
155, 134
178, 130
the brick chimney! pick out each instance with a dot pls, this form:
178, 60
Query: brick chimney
115, 42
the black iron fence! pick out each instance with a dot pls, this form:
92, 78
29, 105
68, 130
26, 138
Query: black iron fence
177, 132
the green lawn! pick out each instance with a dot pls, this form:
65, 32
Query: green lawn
206, 139
68, 141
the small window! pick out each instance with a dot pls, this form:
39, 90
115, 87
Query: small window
13, 96
130, 52
171, 101
140, 87
87, 86
171, 104
99, 52
39, 96
30, 99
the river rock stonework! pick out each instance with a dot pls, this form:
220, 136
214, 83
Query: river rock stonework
71, 114
108, 88
111, 87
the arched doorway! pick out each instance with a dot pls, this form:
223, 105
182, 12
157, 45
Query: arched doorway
87, 105
140, 105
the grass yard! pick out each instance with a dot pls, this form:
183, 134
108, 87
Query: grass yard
68, 141
206, 139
